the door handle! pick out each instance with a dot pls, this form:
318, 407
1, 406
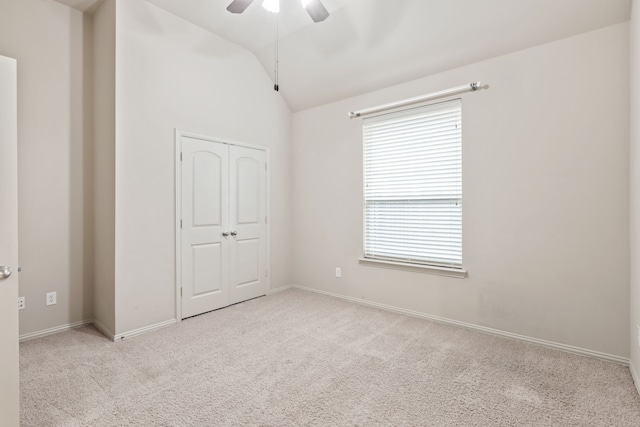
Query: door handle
234, 233
225, 234
5, 272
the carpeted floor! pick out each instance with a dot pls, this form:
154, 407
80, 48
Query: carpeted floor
302, 359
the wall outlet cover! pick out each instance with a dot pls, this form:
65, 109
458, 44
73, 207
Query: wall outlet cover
51, 298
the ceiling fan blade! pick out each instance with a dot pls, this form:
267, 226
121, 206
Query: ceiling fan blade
317, 11
238, 6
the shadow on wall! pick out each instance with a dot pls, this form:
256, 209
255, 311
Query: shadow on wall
80, 293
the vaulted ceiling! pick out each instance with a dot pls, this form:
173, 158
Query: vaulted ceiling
371, 44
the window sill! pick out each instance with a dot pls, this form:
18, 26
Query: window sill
417, 268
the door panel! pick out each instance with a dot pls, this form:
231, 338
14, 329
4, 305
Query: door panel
205, 261
247, 265
248, 191
9, 403
207, 189
247, 188
207, 269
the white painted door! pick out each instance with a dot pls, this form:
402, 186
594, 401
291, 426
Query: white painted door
223, 224
205, 221
248, 219
9, 403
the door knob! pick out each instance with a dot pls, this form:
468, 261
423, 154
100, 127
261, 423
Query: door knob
5, 272
234, 233
225, 234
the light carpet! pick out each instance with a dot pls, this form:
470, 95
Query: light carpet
301, 359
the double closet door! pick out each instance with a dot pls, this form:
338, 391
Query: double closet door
223, 224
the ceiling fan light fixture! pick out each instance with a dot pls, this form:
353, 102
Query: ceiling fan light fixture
272, 6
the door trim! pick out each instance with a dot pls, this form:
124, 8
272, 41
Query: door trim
179, 134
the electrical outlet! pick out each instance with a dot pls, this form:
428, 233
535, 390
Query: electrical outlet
338, 272
51, 298
22, 303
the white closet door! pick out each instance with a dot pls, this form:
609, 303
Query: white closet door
223, 191
247, 183
9, 397
205, 253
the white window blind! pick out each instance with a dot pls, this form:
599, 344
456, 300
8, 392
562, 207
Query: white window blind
413, 185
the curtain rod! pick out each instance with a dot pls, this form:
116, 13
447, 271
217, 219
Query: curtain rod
471, 87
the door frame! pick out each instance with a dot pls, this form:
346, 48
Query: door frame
179, 134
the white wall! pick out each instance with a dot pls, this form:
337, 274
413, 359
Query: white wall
105, 165
172, 74
52, 44
545, 184
635, 192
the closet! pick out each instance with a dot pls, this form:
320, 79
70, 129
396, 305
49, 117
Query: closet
222, 229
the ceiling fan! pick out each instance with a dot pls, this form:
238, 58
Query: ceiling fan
314, 8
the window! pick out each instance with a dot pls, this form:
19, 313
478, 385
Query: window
413, 186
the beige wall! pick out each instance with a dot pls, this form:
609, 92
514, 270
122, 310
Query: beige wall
545, 184
544, 168
52, 44
635, 191
172, 74
105, 166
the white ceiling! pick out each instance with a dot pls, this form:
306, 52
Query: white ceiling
370, 44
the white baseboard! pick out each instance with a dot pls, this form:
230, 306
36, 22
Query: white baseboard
279, 289
544, 343
105, 331
100, 327
634, 375
144, 330
55, 330
118, 337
